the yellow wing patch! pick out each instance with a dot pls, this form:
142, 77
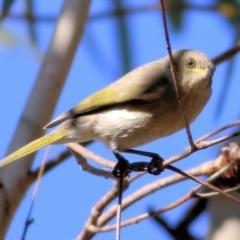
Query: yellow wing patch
108, 96
104, 97
115, 93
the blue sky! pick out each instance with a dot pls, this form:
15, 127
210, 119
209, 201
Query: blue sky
67, 193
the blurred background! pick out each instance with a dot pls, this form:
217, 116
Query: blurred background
118, 36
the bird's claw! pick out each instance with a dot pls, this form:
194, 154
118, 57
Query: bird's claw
155, 167
121, 169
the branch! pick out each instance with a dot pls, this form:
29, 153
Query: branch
203, 144
97, 210
175, 78
227, 55
46, 91
61, 157
216, 167
88, 154
87, 167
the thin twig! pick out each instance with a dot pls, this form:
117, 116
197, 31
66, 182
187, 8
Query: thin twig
98, 208
36, 188
145, 215
61, 157
180, 201
212, 194
204, 169
175, 78
206, 144
119, 208
200, 146
136, 176
145, 191
87, 167
88, 154
208, 135
217, 175
205, 184
228, 54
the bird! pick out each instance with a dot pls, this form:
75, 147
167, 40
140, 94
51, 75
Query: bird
138, 108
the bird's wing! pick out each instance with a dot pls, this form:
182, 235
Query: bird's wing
134, 85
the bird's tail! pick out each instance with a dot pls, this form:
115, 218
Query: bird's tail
33, 146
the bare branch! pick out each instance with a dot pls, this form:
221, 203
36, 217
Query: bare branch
88, 154
206, 184
46, 91
144, 216
212, 167
212, 194
201, 145
61, 157
87, 167
97, 210
145, 191
29, 220
228, 54
180, 201
208, 135
175, 79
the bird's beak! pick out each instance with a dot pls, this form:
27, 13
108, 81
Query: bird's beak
210, 71
205, 71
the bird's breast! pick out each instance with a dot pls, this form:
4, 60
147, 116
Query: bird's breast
133, 124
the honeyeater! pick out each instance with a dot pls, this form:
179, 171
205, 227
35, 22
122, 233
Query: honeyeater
138, 108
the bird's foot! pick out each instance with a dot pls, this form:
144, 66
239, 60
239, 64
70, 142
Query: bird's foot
155, 167
122, 168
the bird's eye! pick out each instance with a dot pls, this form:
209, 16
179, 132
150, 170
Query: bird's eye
190, 63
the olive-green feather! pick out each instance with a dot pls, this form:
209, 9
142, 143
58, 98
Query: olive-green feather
105, 97
32, 147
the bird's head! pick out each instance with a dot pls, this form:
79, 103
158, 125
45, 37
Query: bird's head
193, 68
